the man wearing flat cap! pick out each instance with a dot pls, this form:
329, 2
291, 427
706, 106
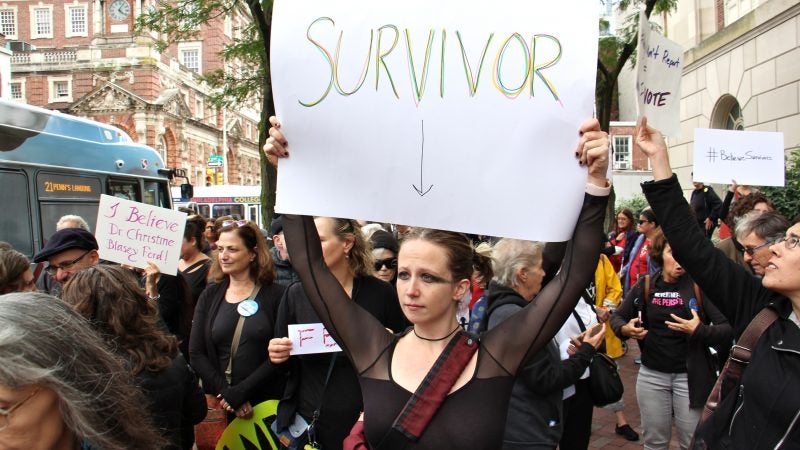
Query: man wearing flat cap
68, 251
285, 274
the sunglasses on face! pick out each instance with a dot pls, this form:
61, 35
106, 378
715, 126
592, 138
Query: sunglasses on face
642, 222
53, 268
390, 263
230, 223
752, 250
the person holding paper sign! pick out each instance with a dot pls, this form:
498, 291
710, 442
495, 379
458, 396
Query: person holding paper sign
434, 270
766, 398
234, 320
337, 403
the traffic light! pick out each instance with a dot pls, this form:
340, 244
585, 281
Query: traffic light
220, 178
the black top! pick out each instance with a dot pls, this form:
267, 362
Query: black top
254, 378
196, 276
342, 396
502, 351
769, 407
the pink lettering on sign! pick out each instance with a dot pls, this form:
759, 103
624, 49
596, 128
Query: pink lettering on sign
669, 302
327, 340
304, 335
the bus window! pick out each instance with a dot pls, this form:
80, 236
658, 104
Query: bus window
14, 196
156, 193
203, 210
126, 189
228, 210
253, 210
50, 212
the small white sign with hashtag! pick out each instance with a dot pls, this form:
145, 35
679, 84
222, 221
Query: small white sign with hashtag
756, 158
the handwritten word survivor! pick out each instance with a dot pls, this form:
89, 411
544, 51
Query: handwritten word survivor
540, 52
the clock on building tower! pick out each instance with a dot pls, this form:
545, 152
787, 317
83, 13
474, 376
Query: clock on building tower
119, 11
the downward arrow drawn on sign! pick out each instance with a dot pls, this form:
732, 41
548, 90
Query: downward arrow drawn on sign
421, 189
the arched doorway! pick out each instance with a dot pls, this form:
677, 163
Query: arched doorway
727, 114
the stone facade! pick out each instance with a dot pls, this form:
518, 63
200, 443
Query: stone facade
84, 59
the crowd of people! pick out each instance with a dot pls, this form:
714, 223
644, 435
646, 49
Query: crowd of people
110, 357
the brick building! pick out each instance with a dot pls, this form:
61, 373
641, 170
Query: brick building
83, 58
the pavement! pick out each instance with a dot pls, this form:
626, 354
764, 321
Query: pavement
604, 421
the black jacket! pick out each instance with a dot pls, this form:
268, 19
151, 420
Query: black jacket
176, 401
700, 366
535, 411
768, 410
254, 378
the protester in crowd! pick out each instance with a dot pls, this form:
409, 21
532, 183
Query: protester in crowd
194, 265
434, 271
15, 271
535, 416
338, 401
734, 193
731, 246
706, 206
482, 274
68, 251
285, 275
212, 233
60, 387
384, 252
767, 400
624, 236
672, 321
757, 232
639, 263
118, 309
72, 221
233, 364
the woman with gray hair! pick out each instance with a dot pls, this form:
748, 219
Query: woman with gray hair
59, 386
535, 414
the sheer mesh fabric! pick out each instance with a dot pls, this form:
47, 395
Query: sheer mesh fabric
503, 349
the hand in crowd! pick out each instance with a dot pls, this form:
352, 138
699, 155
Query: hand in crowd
279, 349
683, 325
733, 186
603, 313
245, 411
652, 143
592, 152
709, 223
595, 340
276, 144
152, 275
634, 329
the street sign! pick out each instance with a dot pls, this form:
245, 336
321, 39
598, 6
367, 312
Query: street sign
215, 161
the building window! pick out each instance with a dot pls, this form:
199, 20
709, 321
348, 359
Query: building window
76, 20
8, 22
198, 109
17, 90
190, 58
60, 89
727, 114
42, 22
622, 152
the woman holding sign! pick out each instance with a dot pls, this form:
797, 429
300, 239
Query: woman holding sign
234, 320
434, 271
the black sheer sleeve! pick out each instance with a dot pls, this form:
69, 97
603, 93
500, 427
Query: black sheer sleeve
361, 336
525, 333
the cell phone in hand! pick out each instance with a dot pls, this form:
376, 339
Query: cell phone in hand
595, 329
639, 323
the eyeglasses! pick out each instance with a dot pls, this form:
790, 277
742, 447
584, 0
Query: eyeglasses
752, 250
790, 242
53, 268
5, 413
642, 222
229, 223
390, 263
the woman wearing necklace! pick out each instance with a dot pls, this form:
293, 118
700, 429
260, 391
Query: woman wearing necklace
434, 271
347, 255
234, 320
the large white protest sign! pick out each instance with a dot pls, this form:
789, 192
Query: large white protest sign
451, 114
658, 79
311, 338
134, 233
749, 157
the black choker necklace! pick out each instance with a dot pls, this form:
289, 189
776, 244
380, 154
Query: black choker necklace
439, 339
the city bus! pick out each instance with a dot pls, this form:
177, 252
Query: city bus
53, 164
243, 202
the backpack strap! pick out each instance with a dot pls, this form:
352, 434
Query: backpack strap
431, 393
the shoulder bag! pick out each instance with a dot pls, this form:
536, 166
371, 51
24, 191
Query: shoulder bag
605, 385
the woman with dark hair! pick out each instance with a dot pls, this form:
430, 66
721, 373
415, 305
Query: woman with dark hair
762, 409
347, 255
639, 263
110, 298
234, 320
194, 265
623, 235
61, 388
675, 325
434, 270
15, 271
384, 250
